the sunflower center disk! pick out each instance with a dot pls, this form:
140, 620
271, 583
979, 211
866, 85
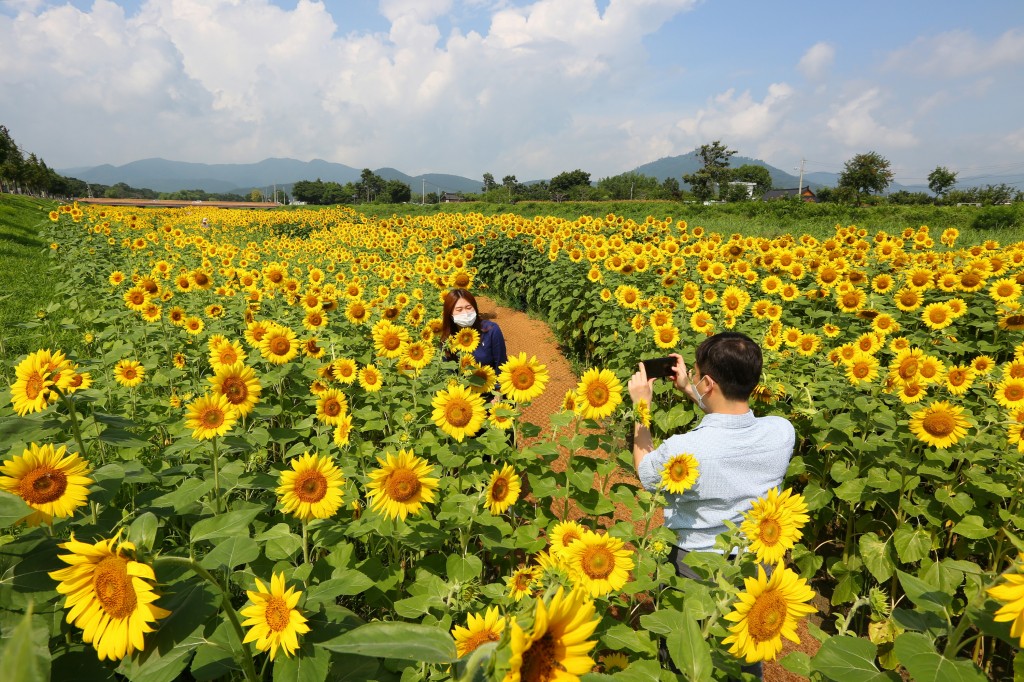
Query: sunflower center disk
332, 408
311, 487
539, 662
277, 613
280, 346
235, 390
499, 491
113, 587
458, 413
940, 424
43, 485
403, 485
767, 616
33, 386
522, 378
597, 395
597, 563
679, 471
212, 418
770, 531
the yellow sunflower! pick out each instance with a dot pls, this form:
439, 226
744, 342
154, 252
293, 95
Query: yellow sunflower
210, 415
959, 379
279, 345
52, 483
937, 316
556, 647
402, 485
482, 379
272, 619
773, 524
939, 424
331, 407
523, 380
466, 340
343, 430
312, 489
564, 534
642, 413
237, 383
1010, 392
370, 379
598, 394
30, 390
129, 373
523, 581
862, 368
390, 340
458, 412
680, 473
599, 564
344, 370
109, 594
479, 630
767, 611
503, 489
502, 416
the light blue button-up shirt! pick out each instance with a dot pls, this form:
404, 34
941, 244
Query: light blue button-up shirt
740, 457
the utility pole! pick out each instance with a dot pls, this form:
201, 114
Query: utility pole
423, 191
800, 187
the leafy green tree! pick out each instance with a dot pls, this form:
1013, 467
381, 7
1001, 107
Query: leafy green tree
370, 185
941, 180
714, 172
633, 185
395, 192
256, 195
568, 182
489, 183
750, 172
866, 174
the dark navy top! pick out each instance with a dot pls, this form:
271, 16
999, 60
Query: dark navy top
491, 350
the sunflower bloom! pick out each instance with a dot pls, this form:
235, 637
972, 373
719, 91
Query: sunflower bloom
370, 379
272, 619
237, 383
522, 581
599, 393
466, 340
279, 345
110, 595
503, 489
30, 390
1010, 392
210, 415
402, 485
939, 424
523, 380
129, 373
599, 564
331, 407
458, 412
51, 482
345, 370
773, 524
342, 430
767, 611
312, 489
557, 647
680, 473
862, 368
479, 630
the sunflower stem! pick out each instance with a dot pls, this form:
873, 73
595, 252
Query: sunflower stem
216, 480
305, 541
246, 661
74, 421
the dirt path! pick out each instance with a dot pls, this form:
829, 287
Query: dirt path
525, 334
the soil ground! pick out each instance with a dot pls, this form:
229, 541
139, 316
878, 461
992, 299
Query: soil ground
525, 334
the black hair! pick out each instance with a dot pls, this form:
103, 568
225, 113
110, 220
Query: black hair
733, 361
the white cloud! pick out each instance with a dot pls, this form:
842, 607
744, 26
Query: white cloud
959, 53
853, 123
1015, 140
739, 117
816, 62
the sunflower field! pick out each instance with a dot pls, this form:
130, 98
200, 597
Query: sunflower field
261, 463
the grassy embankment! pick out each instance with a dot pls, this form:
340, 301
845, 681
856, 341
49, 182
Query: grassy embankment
26, 289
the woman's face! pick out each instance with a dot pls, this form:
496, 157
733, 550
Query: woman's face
463, 306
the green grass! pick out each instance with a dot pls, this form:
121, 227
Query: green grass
27, 288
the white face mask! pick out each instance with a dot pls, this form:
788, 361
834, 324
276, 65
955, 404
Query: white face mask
700, 398
465, 320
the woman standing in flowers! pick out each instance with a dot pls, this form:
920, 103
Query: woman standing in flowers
461, 312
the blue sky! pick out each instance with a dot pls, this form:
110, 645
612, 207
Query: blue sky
524, 87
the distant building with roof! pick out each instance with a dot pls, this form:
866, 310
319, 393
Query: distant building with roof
804, 193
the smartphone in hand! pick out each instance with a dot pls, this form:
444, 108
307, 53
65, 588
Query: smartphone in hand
658, 368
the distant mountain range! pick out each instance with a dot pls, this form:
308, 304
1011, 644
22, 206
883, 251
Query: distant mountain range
162, 175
